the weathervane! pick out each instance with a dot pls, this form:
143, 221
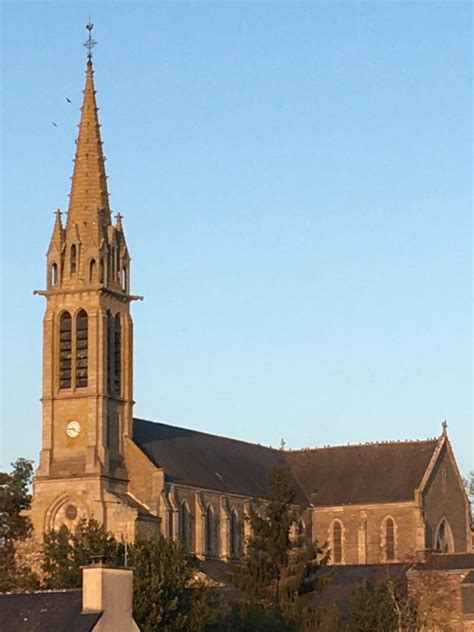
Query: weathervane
90, 42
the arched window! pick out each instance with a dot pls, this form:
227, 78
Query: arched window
444, 542
114, 353
81, 349
92, 270
336, 542
112, 269
389, 537
54, 274
126, 278
210, 531
234, 534
117, 353
65, 350
73, 259
101, 270
185, 525
110, 351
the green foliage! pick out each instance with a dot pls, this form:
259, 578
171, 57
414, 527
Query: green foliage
322, 619
267, 548
382, 609
15, 526
237, 616
280, 571
165, 597
65, 552
299, 578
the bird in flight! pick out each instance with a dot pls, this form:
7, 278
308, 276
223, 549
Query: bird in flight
55, 124
68, 100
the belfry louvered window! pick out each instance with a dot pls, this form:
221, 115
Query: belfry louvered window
114, 355
65, 350
82, 359
117, 353
110, 350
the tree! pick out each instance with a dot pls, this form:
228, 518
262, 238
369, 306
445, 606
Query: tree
165, 595
382, 609
15, 526
278, 570
243, 616
65, 552
373, 610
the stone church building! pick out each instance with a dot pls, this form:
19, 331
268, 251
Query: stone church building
377, 502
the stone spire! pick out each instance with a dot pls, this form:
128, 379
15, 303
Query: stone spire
89, 198
57, 238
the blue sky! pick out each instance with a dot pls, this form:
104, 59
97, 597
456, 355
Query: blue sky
296, 182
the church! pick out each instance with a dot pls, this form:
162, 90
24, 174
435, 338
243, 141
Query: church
373, 503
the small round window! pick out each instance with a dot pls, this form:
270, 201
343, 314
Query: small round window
71, 512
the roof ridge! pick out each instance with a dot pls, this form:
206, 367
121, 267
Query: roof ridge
305, 449
364, 444
208, 434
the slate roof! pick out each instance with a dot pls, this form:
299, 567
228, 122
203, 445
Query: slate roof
447, 562
369, 473
132, 502
60, 611
343, 582
199, 459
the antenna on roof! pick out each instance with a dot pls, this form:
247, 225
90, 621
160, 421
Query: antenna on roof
282, 444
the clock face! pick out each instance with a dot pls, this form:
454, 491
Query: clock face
73, 429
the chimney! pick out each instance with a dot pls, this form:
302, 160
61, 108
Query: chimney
109, 589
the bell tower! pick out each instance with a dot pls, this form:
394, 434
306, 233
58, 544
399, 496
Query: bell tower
87, 396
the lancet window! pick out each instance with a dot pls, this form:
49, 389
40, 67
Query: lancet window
185, 524
92, 270
444, 538
336, 542
389, 528
73, 259
210, 531
54, 274
114, 353
117, 353
234, 534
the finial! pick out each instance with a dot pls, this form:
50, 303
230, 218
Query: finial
118, 219
444, 426
90, 42
282, 444
58, 212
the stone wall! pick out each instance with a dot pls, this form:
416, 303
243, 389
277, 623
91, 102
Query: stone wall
363, 531
438, 598
444, 497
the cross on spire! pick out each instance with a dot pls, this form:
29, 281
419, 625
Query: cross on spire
90, 43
